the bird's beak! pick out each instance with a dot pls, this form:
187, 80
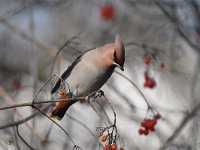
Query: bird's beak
120, 67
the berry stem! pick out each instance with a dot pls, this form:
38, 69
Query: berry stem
148, 105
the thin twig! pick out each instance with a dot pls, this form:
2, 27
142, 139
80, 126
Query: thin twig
56, 124
30, 104
148, 105
61, 48
91, 95
17, 130
115, 118
98, 114
142, 45
103, 110
82, 124
42, 87
174, 21
16, 140
47, 134
112, 109
184, 122
10, 101
22, 120
26, 37
13, 12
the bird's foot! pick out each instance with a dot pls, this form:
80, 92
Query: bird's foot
100, 93
94, 95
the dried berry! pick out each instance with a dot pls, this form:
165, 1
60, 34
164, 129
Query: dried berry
104, 138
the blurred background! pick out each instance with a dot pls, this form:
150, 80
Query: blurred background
40, 38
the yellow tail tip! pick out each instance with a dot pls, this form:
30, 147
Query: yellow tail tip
55, 117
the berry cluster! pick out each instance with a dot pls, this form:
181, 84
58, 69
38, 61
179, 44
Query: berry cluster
150, 58
112, 146
148, 125
149, 82
107, 12
147, 60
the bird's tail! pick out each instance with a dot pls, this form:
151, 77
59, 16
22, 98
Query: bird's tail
61, 109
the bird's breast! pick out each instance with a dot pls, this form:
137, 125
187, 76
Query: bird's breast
85, 79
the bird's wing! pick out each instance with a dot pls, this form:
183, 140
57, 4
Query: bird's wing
67, 72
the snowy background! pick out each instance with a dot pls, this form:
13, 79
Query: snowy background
32, 32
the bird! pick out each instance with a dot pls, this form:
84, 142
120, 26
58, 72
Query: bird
89, 72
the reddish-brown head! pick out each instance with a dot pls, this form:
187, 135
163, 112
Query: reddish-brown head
119, 53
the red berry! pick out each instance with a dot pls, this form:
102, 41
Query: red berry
157, 116
151, 83
148, 125
151, 128
107, 147
146, 132
107, 12
121, 148
147, 61
148, 122
141, 131
143, 124
113, 146
162, 66
103, 138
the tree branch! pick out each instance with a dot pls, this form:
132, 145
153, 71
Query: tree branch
17, 130
26, 37
184, 122
174, 21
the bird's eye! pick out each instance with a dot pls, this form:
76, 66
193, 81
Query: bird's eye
114, 56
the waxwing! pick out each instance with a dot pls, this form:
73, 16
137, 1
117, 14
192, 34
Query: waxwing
89, 72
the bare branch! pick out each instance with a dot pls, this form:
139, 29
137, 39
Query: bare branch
26, 37
184, 122
129, 80
61, 48
174, 21
56, 124
82, 124
9, 101
23, 139
23, 120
